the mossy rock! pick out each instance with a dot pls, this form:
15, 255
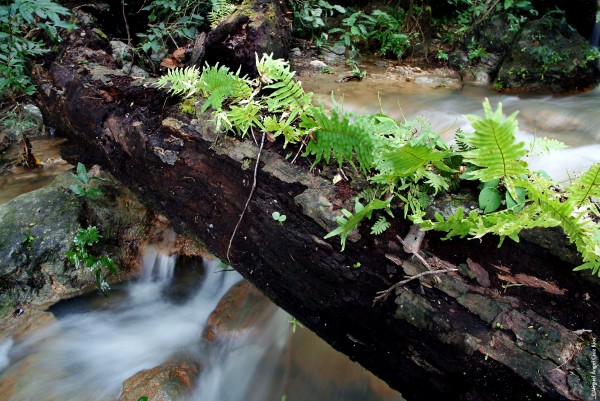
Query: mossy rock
38, 227
549, 55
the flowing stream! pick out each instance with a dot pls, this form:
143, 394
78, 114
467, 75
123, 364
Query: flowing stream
97, 343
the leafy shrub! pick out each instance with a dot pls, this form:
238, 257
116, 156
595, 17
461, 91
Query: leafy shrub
171, 20
26, 29
81, 257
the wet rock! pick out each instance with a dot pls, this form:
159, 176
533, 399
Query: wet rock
170, 381
319, 65
438, 82
332, 58
242, 307
4, 141
548, 54
295, 52
38, 227
257, 26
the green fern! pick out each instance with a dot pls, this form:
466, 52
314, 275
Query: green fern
380, 226
182, 81
243, 118
336, 134
282, 127
288, 94
219, 84
221, 10
585, 187
495, 149
407, 161
285, 97
349, 221
540, 146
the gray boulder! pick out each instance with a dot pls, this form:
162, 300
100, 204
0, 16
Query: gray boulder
38, 227
548, 54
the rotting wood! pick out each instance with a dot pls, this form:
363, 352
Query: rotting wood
452, 339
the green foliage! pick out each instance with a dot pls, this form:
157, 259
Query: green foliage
380, 226
27, 29
235, 101
310, 18
494, 150
533, 201
81, 257
84, 187
171, 20
385, 29
336, 135
349, 221
221, 10
410, 162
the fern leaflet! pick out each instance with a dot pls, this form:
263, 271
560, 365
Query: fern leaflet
349, 221
183, 81
585, 187
336, 134
495, 147
380, 226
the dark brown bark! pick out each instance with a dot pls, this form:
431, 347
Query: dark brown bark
467, 337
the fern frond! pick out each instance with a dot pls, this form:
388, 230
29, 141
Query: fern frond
221, 10
287, 94
282, 127
407, 161
336, 135
380, 226
540, 146
349, 221
585, 187
495, 147
219, 84
242, 118
183, 81
573, 216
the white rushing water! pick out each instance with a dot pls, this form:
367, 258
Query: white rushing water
5, 346
87, 355
97, 343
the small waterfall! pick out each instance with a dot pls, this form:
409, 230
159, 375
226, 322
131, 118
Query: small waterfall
158, 264
595, 37
5, 346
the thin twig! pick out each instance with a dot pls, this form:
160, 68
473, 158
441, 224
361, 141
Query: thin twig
414, 252
382, 295
126, 24
300, 149
262, 142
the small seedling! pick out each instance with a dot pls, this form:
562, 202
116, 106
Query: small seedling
295, 323
356, 265
84, 188
499, 326
279, 217
28, 240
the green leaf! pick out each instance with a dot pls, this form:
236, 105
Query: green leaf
77, 189
516, 204
489, 199
494, 146
348, 222
380, 226
82, 174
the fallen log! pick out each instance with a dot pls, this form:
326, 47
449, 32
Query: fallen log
510, 324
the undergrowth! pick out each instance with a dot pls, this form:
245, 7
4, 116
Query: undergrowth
405, 162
